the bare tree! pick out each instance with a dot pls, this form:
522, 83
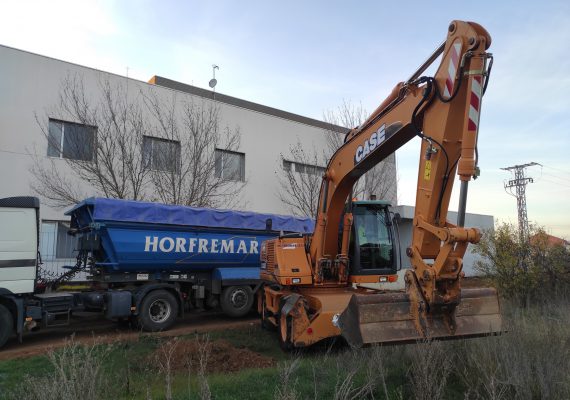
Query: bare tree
101, 144
381, 180
194, 165
126, 144
347, 116
300, 176
51, 183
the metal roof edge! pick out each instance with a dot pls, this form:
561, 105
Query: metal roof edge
234, 101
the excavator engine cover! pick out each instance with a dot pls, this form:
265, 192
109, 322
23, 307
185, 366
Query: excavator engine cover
397, 318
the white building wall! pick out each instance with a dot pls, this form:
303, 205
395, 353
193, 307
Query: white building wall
29, 88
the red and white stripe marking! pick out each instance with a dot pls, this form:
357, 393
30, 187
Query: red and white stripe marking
475, 102
452, 69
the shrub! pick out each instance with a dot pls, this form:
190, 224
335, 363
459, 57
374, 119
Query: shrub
524, 270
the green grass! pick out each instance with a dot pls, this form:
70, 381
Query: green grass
12, 371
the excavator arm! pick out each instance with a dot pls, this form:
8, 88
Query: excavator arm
440, 110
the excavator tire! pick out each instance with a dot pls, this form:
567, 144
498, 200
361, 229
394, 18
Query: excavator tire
265, 324
285, 334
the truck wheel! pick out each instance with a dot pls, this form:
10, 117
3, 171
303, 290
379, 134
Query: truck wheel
236, 301
158, 311
6, 325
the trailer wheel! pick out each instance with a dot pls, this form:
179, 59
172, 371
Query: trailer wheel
6, 325
158, 311
236, 301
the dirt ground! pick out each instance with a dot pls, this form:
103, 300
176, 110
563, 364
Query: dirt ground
90, 328
219, 356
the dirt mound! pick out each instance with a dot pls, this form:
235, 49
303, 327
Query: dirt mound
221, 356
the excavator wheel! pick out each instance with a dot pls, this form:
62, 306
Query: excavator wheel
265, 323
285, 334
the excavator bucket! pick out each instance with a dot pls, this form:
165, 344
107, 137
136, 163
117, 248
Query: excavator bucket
396, 318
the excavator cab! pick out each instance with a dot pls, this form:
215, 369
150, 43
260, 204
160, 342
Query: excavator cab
374, 244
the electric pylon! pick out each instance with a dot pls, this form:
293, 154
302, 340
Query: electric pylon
519, 183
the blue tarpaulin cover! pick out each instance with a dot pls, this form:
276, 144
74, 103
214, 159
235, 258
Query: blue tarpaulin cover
103, 209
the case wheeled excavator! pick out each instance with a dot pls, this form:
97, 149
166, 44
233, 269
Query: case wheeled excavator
314, 284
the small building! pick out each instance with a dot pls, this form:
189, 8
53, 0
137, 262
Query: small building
480, 221
543, 238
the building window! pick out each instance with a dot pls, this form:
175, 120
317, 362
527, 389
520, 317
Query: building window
301, 168
55, 243
230, 165
70, 140
161, 154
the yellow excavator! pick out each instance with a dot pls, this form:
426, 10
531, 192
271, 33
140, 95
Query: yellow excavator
313, 285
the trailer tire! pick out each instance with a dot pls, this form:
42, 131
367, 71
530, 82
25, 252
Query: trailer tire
236, 301
158, 311
6, 325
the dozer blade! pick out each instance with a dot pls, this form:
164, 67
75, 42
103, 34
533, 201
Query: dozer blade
395, 318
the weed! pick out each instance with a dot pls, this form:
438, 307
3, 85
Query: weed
77, 374
429, 370
203, 356
287, 386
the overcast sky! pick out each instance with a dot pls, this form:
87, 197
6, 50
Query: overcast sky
308, 57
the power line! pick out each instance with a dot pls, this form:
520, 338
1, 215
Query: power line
556, 169
556, 183
556, 177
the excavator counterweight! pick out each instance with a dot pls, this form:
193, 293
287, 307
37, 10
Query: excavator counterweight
317, 286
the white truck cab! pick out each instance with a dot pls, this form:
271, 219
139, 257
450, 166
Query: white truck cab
19, 223
18, 244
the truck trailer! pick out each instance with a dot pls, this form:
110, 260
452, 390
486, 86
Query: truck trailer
148, 262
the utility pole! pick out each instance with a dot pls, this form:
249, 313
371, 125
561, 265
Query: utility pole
519, 182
